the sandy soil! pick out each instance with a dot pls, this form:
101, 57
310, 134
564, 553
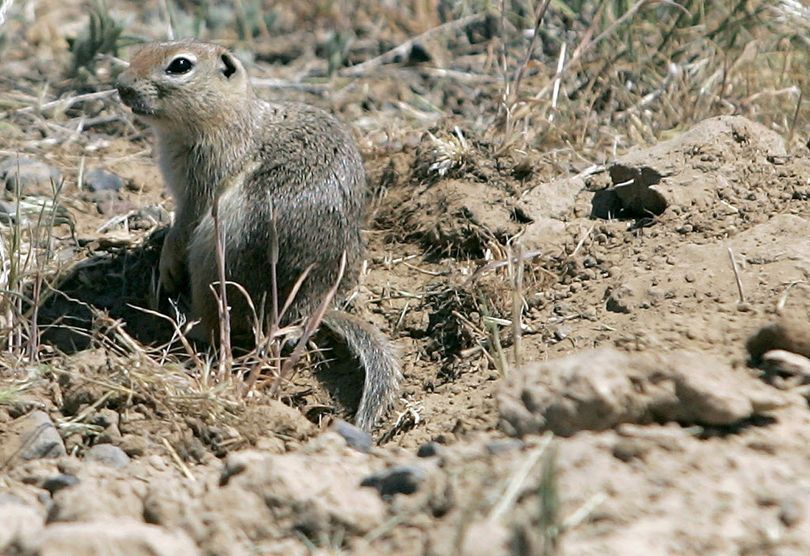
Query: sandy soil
639, 411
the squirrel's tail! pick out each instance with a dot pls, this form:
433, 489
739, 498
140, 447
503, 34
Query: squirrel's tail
379, 361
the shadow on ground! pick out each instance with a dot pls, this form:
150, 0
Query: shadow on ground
116, 285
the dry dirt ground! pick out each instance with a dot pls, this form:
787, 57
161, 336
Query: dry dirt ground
654, 401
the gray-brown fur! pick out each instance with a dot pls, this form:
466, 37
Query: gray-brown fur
293, 162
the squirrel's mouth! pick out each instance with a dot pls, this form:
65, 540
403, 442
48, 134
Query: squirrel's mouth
141, 111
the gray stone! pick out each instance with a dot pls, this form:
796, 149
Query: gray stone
102, 180
58, 482
29, 437
355, 438
107, 454
146, 218
30, 174
793, 369
134, 445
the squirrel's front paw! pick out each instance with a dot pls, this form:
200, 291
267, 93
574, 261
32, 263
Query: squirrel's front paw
172, 264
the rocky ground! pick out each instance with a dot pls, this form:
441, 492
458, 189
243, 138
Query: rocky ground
603, 321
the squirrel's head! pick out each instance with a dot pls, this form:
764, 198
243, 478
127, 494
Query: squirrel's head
185, 85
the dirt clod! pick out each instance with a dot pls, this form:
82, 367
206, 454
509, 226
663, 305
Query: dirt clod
603, 388
31, 436
104, 537
790, 333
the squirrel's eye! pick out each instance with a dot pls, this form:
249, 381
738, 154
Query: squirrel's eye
179, 65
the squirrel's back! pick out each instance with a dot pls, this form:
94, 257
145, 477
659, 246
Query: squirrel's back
307, 177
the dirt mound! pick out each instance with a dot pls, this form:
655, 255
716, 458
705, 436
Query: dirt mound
600, 389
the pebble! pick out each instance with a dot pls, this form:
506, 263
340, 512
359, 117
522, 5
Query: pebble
108, 202
355, 438
58, 482
106, 417
134, 445
29, 172
102, 180
146, 218
790, 512
31, 436
107, 454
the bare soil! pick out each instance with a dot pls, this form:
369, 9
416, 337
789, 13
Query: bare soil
671, 437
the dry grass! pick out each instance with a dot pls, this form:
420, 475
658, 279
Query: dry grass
626, 74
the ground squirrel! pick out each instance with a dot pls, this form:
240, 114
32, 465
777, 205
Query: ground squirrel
217, 140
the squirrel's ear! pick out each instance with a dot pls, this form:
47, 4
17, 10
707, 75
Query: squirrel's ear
229, 65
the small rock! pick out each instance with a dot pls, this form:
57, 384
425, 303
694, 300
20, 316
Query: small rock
134, 445
102, 180
503, 446
627, 449
778, 362
323, 483
107, 454
790, 333
58, 482
122, 536
146, 218
402, 479
620, 300
31, 436
706, 397
355, 438
106, 417
168, 502
110, 435
791, 512
600, 389
108, 202
32, 175
98, 494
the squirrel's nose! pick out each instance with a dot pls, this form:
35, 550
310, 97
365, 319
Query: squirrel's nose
124, 85
127, 93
